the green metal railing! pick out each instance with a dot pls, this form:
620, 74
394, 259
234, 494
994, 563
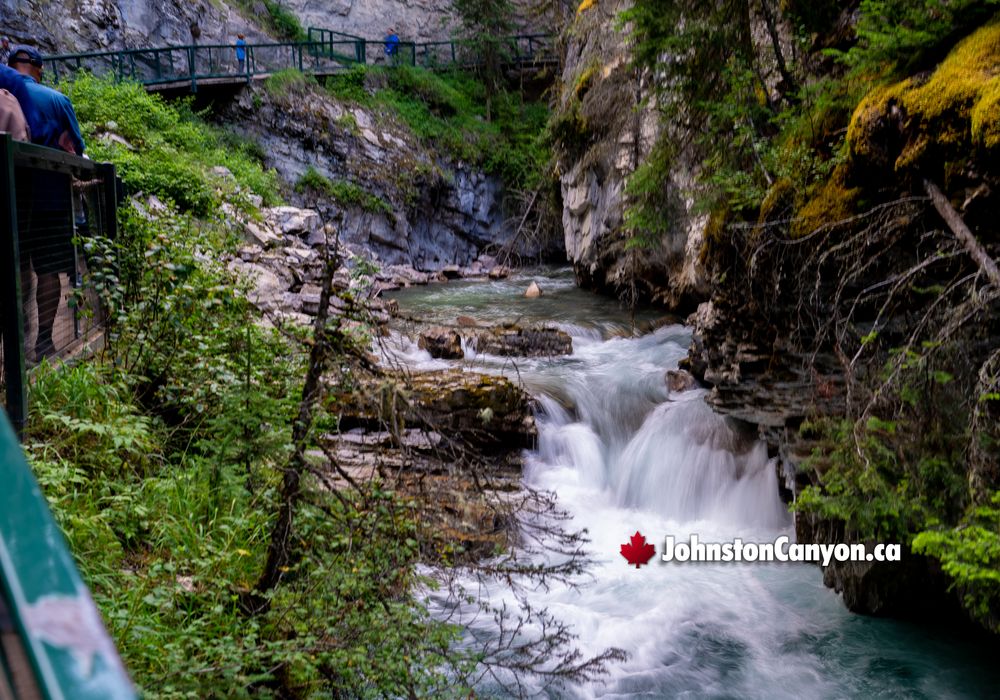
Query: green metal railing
53, 644
48, 199
325, 52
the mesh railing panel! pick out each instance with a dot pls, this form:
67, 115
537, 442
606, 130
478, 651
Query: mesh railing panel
50, 203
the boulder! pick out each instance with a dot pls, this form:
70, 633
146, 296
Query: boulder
452, 272
500, 272
533, 291
487, 412
442, 342
292, 221
514, 341
680, 380
466, 322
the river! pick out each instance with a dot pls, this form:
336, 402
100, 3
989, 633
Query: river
623, 454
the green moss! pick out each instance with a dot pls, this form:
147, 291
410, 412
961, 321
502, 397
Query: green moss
288, 82
832, 201
343, 192
778, 201
348, 122
941, 117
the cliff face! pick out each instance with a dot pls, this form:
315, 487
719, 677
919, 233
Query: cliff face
92, 25
857, 325
606, 125
69, 26
413, 20
414, 206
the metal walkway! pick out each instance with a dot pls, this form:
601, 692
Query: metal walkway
325, 52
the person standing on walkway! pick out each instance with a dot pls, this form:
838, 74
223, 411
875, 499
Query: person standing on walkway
241, 52
13, 83
392, 46
47, 243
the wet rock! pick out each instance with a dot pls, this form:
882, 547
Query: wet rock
498, 273
533, 291
514, 341
487, 412
680, 380
466, 322
452, 272
441, 342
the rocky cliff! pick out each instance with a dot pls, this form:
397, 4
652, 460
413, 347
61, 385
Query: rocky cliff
83, 25
406, 204
606, 126
93, 25
856, 325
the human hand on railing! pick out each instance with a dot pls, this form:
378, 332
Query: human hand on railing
66, 143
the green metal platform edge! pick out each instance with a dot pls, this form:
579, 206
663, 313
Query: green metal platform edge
71, 653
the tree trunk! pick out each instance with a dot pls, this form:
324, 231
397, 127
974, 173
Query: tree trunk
279, 548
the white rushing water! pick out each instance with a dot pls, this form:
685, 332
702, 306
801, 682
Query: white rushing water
622, 455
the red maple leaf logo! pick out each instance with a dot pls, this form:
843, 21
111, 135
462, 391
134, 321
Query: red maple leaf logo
638, 551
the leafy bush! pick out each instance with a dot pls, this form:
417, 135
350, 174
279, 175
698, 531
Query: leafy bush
164, 148
970, 554
343, 192
288, 82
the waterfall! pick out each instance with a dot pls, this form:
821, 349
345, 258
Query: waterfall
622, 454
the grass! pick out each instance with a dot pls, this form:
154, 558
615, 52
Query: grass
448, 111
343, 192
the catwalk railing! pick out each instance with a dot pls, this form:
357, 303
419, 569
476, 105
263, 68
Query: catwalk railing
50, 203
325, 52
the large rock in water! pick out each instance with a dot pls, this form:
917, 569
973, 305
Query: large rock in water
515, 341
441, 342
487, 412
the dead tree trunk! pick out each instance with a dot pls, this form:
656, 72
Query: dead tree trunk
962, 233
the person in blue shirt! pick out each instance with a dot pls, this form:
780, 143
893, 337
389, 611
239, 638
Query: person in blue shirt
392, 45
46, 226
60, 128
12, 82
241, 51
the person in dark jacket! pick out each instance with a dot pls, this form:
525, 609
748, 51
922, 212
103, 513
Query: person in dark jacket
47, 228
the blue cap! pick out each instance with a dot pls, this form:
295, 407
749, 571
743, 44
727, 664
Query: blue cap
25, 54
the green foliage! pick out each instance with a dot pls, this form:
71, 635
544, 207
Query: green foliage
289, 82
970, 554
349, 85
162, 457
165, 149
447, 111
903, 36
343, 192
279, 20
878, 490
648, 216
284, 22
487, 24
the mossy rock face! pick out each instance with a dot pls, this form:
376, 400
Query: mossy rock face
778, 202
833, 201
919, 124
487, 412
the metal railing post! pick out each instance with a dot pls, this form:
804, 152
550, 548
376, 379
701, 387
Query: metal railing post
107, 173
191, 69
15, 376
